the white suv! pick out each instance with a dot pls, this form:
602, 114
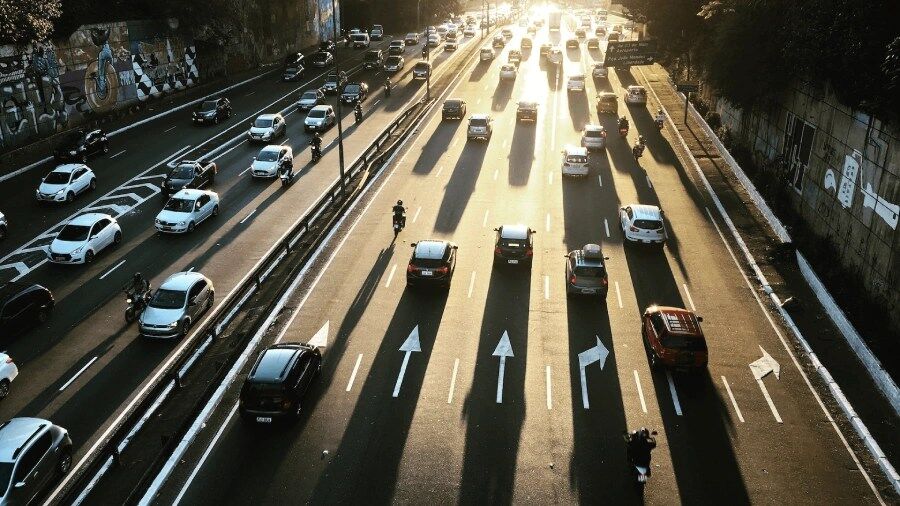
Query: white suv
642, 223
575, 161
576, 83
480, 127
8, 372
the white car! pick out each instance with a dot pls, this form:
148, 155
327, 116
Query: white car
593, 137
83, 237
8, 372
270, 159
320, 118
310, 99
575, 83
434, 40
600, 71
507, 71
635, 95
554, 55
486, 54
575, 161
267, 127
642, 223
451, 45
469, 31
186, 209
65, 182
3, 226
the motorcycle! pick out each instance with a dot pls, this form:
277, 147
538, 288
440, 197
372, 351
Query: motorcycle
136, 304
637, 151
358, 115
623, 131
640, 468
659, 123
387, 90
398, 225
316, 153
286, 175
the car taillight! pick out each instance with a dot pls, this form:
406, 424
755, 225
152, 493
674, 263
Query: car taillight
529, 252
497, 250
286, 404
410, 268
442, 270
633, 228
9, 360
572, 279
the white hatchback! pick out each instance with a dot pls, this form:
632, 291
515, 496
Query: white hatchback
642, 223
65, 182
635, 95
8, 372
186, 209
507, 72
270, 159
576, 83
82, 238
575, 161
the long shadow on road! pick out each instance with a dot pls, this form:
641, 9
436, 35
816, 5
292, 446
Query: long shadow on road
459, 188
521, 154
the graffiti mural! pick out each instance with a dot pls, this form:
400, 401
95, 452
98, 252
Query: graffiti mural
53, 86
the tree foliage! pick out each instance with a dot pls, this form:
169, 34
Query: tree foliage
25, 21
396, 15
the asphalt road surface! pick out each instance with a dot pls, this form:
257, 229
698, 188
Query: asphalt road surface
540, 429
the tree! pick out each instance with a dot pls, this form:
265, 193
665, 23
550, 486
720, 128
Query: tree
23, 22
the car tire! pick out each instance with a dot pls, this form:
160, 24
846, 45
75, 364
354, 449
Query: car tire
84, 158
105, 148
70, 197
117, 239
43, 315
215, 211
191, 227
88, 256
2, 233
93, 184
4, 388
185, 327
64, 464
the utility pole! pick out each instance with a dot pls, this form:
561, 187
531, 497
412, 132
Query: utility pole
337, 70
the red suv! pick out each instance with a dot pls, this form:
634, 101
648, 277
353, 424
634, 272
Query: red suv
673, 338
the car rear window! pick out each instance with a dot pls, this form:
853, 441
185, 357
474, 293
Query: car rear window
264, 389
683, 342
576, 78
452, 104
589, 271
422, 66
372, 56
428, 263
648, 224
512, 243
576, 159
593, 133
478, 122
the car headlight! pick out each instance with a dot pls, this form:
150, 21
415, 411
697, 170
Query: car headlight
81, 148
173, 325
157, 221
73, 152
77, 250
60, 192
182, 223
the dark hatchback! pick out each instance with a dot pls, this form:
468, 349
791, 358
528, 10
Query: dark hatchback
328, 46
189, 174
454, 108
354, 92
276, 384
22, 306
514, 244
80, 144
212, 111
527, 111
432, 263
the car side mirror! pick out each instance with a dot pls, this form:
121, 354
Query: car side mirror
20, 484
455, 247
412, 244
699, 318
653, 433
606, 258
496, 230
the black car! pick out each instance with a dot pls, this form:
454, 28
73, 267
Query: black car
293, 59
22, 306
572, 44
80, 144
328, 46
526, 111
321, 59
432, 263
373, 59
292, 73
280, 377
334, 82
212, 111
354, 92
514, 244
189, 174
454, 108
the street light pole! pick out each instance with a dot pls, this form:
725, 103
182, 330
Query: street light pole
337, 71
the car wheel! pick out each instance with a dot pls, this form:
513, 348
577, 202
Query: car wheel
215, 211
43, 315
89, 257
93, 184
84, 158
4, 388
70, 197
117, 239
64, 465
191, 227
185, 327
106, 148
2, 232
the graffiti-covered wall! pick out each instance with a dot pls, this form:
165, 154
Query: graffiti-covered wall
49, 87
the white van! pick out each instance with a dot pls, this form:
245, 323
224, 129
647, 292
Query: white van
360, 39
487, 53
575, 161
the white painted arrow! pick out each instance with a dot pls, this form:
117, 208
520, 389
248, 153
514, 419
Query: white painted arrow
764, 365
320, 339
503, 350
586, 358
410, 345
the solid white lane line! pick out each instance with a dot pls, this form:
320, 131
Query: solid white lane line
416, 216
600, 179
547, 287
353, 374
471, 284
376, 102
637, 381
619, 295
674, 393
549, 390
765, 392
169, 129
689, 298
649, 183
114, 267
285, 141
206, 453
547, 220
484, 221
453, 381
496, 173
77, 374
606, 226
440, 169
247, 217
733, 400
120, 152
250, 93
391, 276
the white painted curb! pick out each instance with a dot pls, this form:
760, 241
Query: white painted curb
834, 388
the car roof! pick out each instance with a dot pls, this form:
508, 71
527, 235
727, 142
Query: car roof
181, 281
88, 219
11, 288
678, 320
266, 116
635, 87
274, 363
576, 151
479, 116
645, 212
69, 167
321, 108
15, 433
431, 249
590, 254
272, 147
517, 231
190, 194
593, 128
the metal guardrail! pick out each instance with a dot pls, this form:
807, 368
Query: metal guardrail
106, 452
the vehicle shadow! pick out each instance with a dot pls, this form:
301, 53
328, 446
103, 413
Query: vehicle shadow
380, 424
459, 188
521, 154
502, 94
480, 70
579, 110
493, 429
436, 146
573, 54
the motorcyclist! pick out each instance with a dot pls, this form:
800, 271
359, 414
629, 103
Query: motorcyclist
639, 445
138, 287
660, 117
286, 167
387, 86
639, 146
623, 123
400, 213
357, 110
316, 144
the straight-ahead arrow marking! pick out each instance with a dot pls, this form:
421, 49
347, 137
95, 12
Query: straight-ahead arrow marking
503, 350
410, 345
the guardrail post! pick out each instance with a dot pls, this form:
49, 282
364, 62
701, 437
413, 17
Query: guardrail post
287, 244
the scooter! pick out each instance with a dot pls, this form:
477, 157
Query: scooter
316, 153
623, 132
637, 151
358, 115
641, 470
398, 224
287, 176
136, 305
659, 124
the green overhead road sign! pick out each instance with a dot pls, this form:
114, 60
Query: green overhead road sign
631, 52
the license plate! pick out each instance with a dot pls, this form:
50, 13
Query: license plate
58, 257
513, 261
264, 419
588, 291
426, 273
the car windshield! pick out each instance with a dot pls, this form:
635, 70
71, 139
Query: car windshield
478, 122
179, 205
648, 224
593, 133
262, 123
316, 113
6, 469
74, 138
351, 88
168, 299
683, 342
394, 60
396, 43
422, 66
589, 271
576, 159
57, 177
308, 95
74, 233
209, 105
371, 56
267, 156
452, 104
182, 172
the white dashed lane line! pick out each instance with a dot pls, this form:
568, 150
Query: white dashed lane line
452, 381
391, 276
637, 381
107, 273
77, 374
247, 217
734, 403
355, 370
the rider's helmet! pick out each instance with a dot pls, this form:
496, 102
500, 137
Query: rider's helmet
399, 202
641, 139
644, 433
659, 111
137, 277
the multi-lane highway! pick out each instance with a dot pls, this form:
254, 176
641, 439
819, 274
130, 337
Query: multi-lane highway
503, 389
80, 367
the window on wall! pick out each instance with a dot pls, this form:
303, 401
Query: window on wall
798, 141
